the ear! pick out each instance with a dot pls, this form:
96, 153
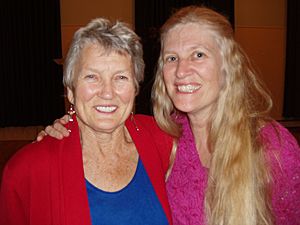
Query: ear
70, 95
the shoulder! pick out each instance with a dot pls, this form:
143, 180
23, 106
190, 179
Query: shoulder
149, 124
33, 156
145, 120
282, 151
144, 129
283, 156
275, 137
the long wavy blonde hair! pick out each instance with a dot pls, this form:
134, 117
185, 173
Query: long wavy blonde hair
239, 180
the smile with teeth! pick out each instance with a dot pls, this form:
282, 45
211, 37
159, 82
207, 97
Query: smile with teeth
106, 108
189, 88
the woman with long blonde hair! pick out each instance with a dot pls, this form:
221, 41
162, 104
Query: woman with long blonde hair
233, 164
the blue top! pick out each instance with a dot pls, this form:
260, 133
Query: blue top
135, 204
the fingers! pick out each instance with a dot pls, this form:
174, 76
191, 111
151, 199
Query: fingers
64, 120
57, 130
41, 135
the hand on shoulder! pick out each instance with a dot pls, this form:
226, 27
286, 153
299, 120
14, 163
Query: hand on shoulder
56, 130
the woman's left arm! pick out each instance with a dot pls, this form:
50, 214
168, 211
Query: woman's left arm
284, 154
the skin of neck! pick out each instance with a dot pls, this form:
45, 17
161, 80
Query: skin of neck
103, 143
199, 126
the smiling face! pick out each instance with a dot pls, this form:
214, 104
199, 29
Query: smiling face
192, 68
104, 91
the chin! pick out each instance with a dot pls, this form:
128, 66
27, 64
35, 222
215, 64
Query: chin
105, 129
184, 109
184, 106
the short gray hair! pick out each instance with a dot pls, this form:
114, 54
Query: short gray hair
112, 36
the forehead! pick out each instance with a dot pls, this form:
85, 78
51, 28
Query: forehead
98, 50
189, 35
94, 53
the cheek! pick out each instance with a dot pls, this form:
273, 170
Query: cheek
167, 76
218, 83
126, 92
219, 79
222, 79
167, 70
84, 92
211, 73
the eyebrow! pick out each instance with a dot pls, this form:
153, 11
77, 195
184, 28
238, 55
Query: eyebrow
95, 70
192, 47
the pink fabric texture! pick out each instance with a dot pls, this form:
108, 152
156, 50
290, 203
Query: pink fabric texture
188, 180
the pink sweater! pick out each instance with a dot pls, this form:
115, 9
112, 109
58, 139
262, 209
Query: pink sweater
188, 180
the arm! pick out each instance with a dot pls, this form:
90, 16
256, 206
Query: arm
284, 157
11, 203
57, 130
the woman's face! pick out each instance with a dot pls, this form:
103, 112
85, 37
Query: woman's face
104, 90
192, 68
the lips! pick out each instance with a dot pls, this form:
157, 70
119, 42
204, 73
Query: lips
106, 109
189, 88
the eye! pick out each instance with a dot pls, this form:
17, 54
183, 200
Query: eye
122, 77
170, 58
90, 76
199, 54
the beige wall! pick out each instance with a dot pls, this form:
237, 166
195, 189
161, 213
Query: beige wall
260, 29
76, 13
80, 12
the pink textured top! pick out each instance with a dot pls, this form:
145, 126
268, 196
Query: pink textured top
188, 180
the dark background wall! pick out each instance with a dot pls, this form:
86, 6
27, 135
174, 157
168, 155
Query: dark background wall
30, 81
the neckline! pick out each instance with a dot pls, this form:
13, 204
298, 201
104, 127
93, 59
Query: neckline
123, 189
189, 137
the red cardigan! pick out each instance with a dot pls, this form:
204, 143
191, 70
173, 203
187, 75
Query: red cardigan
44, 182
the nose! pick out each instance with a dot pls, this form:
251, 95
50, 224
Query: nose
183, 68
106, 90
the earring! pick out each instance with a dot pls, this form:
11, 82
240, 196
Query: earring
71, 111
132, 119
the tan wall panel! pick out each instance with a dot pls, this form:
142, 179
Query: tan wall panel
67, 32
266, 49
81, 12
260, 13
77, 13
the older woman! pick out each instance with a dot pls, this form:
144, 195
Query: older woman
233, 164
111, 169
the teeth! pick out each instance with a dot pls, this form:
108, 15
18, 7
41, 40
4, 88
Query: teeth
106, 108
188, 88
